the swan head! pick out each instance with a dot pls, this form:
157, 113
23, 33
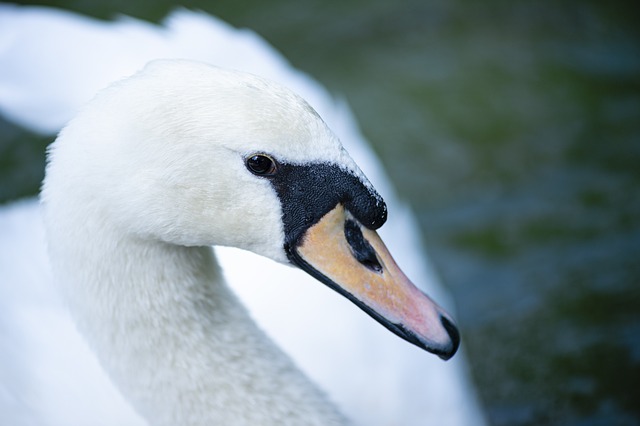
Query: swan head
189, 154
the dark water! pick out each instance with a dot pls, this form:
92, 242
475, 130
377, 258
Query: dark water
514, 130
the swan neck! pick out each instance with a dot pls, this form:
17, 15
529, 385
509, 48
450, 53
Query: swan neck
174, 338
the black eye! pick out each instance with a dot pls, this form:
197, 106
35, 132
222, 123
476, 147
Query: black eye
261, 165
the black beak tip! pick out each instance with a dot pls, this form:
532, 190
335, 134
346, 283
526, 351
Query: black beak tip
454, 335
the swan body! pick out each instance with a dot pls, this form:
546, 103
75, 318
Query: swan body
457, 407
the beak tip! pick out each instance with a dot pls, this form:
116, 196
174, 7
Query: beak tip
445, 349
454, 336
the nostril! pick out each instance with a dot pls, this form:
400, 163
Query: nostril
454, 335
360, 247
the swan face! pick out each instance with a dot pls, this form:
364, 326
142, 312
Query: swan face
170, 147
193, 155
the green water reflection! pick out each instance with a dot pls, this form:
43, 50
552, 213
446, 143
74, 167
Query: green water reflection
514, 130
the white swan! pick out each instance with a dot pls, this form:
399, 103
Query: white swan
410, 388
178, 158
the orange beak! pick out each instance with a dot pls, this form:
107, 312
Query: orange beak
354, 261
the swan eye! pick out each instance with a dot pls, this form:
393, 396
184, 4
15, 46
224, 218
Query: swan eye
261, 165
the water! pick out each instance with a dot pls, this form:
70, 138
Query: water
514, 130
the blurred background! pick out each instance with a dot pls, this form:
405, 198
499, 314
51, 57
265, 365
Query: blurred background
513, 129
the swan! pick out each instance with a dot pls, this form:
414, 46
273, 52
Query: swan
181, 157
409, 388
